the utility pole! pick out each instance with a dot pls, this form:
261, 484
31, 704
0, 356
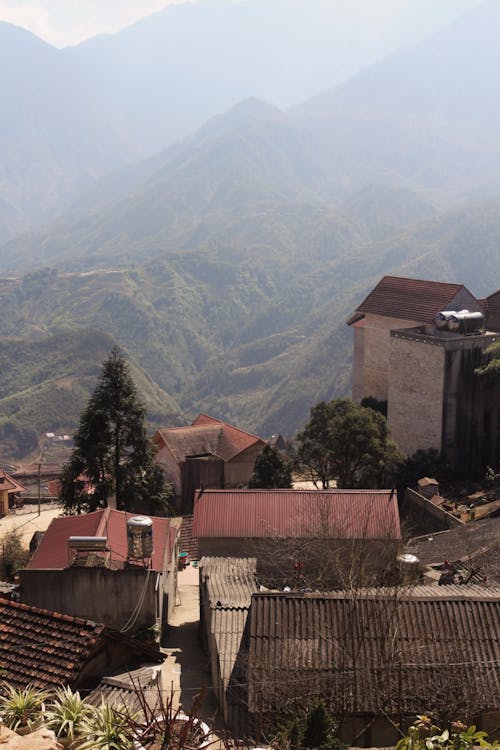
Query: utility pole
39, 488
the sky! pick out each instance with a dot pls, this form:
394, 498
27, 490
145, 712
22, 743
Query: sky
67, 22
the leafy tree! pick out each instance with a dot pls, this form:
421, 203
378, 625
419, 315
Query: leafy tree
112, 454
14, 555
347, 442
423, 463
270, 471
491, 368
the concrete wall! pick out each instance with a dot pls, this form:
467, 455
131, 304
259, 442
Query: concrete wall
99, 594
439, 518
371, 355
416, 391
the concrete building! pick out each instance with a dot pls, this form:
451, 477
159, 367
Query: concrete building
427, 373
208, 453
302, 537
91, 566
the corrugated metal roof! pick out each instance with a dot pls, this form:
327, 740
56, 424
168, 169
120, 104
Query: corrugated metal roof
206, 436
52, 552
367, 654
341, 514
460, 543
409, 299
230, 581
228, 585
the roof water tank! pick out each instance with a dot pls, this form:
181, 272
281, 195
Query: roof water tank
140, 537
441, 319
466, 322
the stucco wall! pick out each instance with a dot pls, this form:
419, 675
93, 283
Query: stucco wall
415, 396
371, 355
99, 594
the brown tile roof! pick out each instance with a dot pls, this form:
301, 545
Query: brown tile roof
368, 655
206, 436
187, 542
345, 514
42, 647
52, 551
410, 299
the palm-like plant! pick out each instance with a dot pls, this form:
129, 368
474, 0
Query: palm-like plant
66, 715
22, 708
107, 729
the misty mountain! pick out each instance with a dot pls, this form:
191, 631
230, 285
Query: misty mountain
73, 115
423, 118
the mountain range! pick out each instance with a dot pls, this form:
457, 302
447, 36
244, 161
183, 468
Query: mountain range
226, 264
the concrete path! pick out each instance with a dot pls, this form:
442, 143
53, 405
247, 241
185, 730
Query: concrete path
185, 669
26, 521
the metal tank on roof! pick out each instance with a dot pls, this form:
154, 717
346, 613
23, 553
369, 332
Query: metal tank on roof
466, 322
140, 537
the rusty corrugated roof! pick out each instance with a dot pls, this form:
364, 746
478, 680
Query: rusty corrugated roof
52, 551
367, 654
206, 436
409, 299
340, 514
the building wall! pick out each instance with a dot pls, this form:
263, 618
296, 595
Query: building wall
165, 458
239, 470
99, 594
415, 394
371, 355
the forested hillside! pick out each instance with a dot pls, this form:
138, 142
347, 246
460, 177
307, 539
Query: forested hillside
226, 265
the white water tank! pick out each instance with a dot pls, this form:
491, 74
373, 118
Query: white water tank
140, 537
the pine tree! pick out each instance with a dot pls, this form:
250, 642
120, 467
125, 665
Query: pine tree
271, 471
112, 453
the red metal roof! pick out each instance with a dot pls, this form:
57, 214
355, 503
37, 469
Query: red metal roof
343, 514
409, 299
53, 549
206, 436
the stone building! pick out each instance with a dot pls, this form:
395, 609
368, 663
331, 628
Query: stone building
427, 373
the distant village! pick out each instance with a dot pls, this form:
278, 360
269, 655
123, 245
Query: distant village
378, 604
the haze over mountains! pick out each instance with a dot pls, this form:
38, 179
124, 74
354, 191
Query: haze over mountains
227, 263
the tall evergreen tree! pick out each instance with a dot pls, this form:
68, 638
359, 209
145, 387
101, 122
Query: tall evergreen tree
271, 471
112, 453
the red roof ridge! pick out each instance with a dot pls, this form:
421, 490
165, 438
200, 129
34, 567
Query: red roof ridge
215, 420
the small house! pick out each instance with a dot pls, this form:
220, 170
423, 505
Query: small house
108, 566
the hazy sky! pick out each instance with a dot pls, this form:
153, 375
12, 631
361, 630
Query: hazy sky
63, 22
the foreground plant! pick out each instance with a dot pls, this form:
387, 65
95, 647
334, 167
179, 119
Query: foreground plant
67, 714
424, 734
21, 709
107, 728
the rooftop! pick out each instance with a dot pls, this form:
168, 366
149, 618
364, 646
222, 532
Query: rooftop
409, 299
340, 514
372, 653
207, 436
53, 553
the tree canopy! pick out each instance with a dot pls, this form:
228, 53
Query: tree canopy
271, 471
113, 455
346, 442
491, 368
